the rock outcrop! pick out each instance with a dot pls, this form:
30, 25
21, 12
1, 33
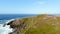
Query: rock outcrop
40, 24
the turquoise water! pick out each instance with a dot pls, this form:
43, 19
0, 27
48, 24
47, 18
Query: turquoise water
1, 31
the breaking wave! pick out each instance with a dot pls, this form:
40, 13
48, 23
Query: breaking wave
6, 29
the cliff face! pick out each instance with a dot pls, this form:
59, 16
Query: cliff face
40, 24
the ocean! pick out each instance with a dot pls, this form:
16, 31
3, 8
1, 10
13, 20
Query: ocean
6, 17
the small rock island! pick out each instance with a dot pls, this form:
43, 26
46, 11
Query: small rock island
40, 24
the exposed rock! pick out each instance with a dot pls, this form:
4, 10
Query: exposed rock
40, 24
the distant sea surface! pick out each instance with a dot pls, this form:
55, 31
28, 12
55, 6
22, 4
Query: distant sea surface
5, 17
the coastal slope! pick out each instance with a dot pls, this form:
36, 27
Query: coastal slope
40, 24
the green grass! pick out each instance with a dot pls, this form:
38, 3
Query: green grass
40, 26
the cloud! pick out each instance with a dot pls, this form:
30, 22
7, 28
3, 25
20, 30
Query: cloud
39, 3
42, 11
48, 11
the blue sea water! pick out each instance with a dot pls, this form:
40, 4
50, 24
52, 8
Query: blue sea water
6, 17
12, 16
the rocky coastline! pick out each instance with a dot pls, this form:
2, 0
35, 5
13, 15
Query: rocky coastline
40, 24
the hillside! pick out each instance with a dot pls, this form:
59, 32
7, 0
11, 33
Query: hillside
40, 24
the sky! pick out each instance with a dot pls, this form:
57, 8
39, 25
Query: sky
29, 6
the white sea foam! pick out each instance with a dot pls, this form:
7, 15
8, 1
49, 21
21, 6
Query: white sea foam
10, 20
6, 29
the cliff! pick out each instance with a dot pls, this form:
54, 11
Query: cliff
40, 24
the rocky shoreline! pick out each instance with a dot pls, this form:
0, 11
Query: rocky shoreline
40, 24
